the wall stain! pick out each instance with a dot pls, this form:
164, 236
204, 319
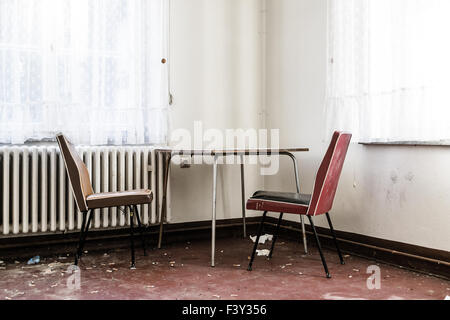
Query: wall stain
394, 177
409, 176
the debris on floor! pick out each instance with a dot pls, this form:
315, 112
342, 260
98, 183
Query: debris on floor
34, 260
297, 277
48, 271
263, 252
57, 264
263, 238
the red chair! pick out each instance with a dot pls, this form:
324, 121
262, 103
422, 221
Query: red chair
320, 202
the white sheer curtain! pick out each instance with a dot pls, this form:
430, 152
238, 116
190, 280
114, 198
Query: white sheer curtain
91, 69
389, 69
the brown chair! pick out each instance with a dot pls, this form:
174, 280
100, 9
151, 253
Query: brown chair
320, 202
87, 200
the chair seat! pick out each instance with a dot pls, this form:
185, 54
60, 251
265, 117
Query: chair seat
287, 202
120, 198
290, 197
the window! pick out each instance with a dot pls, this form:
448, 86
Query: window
90, 69
388, 69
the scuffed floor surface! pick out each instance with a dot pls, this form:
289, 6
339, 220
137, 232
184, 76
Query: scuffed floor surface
181, 271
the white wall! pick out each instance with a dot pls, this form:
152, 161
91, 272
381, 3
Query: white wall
395, 193
215, 63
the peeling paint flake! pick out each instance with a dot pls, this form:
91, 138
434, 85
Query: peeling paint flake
263, 252
262, 239
48, 271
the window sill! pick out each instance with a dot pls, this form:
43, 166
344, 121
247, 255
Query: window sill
409, 143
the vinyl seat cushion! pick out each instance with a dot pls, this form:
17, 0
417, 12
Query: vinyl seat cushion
289, 197
120, 198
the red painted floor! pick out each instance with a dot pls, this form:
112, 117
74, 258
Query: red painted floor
181, 271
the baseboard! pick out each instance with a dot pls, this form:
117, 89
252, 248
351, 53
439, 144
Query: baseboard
412, 257
416, 258
51, 244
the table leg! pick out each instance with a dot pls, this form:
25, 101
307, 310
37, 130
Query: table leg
213, 236
304, 234
243, 196
297, 184
166, 166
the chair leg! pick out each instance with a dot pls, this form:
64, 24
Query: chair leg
335, 239
318, 246
141, 228
78, 253
275, 236
83, 234
257, 241
133, 262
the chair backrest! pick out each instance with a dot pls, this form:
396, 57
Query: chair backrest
77, 172
327, 176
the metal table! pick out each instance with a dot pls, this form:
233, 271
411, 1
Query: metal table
168, 153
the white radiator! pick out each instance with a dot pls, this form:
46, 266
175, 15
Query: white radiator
35, 195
